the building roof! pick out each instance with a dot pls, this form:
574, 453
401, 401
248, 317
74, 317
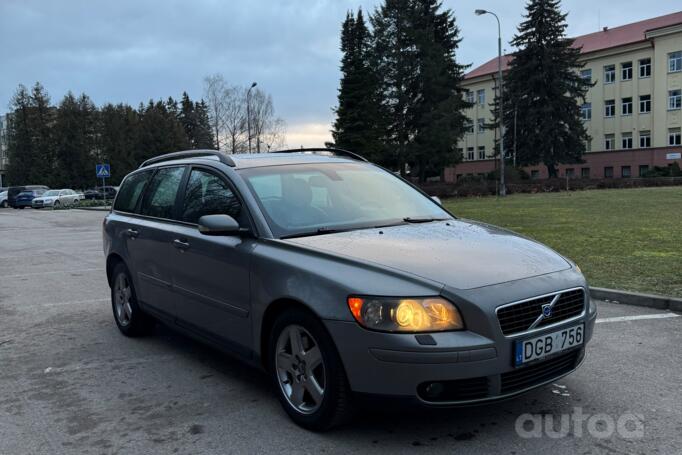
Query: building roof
592, 42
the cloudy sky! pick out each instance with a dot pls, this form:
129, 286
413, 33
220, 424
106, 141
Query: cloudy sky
133, 50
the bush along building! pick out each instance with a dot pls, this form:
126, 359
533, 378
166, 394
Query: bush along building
632, 113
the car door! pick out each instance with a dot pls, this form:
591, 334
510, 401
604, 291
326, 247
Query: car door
150, 240
211, 273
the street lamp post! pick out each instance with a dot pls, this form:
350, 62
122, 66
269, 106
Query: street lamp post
479, 12
248, 113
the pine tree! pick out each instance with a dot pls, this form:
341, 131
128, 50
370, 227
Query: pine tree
203, 138
356, 127
544, 86
119, 131
438, 121
187, 117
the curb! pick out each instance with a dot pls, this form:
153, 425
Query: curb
659, 302
98, 209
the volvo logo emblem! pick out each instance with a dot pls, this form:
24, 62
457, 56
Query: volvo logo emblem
547, 310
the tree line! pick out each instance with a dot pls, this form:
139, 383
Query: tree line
401, 101
59, 145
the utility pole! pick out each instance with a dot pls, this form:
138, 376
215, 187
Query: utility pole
248, 113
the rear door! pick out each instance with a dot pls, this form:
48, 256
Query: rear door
211, 273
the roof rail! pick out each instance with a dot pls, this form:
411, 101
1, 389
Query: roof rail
222, 157
325, 150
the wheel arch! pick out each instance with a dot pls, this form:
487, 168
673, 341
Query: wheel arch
112, 261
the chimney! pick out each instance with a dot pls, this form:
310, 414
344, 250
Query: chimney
605, 29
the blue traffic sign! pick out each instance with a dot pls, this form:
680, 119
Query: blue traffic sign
103, 170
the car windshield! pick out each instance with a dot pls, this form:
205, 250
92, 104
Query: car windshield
25, 193
51, 193
310, 199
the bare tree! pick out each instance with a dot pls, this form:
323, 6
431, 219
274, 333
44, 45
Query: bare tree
267, 130
276, 136
235, 119
215, 90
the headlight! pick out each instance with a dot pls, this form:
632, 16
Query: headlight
394, 314
577, 267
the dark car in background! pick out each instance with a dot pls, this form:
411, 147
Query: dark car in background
25, 198
100, 192
14, 191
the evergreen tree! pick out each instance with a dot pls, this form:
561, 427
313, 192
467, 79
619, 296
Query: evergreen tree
544, 85
356, 127
438, 104
202, 136
187, 117
75, 142
119, 131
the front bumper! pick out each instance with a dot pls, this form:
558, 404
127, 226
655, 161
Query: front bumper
460, 368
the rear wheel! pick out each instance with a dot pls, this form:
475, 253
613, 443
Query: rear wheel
4, 204
130, 319
307, 372
55, 205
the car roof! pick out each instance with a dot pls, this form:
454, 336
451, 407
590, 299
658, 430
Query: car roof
251, 160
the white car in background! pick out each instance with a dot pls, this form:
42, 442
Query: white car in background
57, 198
3, 199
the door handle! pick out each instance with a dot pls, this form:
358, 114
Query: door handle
180, 245
132, 233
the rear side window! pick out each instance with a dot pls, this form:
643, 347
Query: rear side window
208, 194
159, 199
131, 189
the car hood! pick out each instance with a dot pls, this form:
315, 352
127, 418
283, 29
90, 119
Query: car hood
459, 253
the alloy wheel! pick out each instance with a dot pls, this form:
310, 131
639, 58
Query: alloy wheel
300, 369
122, 296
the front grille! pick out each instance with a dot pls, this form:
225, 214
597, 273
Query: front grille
454, 390
531, 375
519, 317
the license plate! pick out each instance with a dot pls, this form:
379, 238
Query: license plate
551, 343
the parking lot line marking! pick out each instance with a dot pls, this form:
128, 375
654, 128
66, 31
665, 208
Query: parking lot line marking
638, 317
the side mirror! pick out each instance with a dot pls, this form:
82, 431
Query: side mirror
218, 225
437, 199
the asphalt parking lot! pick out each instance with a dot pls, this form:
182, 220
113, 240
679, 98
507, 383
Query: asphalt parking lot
71, 383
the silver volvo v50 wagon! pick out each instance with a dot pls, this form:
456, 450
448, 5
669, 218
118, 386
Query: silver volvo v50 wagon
340, 279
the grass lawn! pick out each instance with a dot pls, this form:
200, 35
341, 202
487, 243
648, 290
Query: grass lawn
623, 239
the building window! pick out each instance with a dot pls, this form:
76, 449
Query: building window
460, 151
645, 67
469, 96
609, 108
674, 99
609, 142
535, 174
468, 126
626, 106
586, 111
586, 75
481, 125
588, 145
481, 96
674, 136
625, 172
481, 152
626, 71
570, 172
457, 177
644, 139
643, 169
470, 153
675, 62
644, 104
626, 141
585, 172
609, 74
608, 172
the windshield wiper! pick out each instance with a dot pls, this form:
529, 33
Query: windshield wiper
319, 231
422, 219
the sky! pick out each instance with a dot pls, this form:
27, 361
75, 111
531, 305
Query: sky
133, 50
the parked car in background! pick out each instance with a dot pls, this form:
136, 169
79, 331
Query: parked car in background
14, 191
100, 192
56, 198
25, 198
3, 199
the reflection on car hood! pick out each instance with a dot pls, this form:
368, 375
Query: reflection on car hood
459, 253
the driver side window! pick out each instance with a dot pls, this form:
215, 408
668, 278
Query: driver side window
208, 194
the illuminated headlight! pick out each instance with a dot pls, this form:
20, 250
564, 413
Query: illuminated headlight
393, 314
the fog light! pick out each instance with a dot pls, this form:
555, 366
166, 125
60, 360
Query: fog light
434, 389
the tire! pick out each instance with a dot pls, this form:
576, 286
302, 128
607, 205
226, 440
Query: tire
55, 205
296, 377
130, 319
4, 204
22, 207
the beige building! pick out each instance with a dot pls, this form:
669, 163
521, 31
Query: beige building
633, 113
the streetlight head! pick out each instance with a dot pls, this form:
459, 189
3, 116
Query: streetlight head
479, 12
254, 84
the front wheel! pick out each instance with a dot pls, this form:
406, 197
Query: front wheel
307, 372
